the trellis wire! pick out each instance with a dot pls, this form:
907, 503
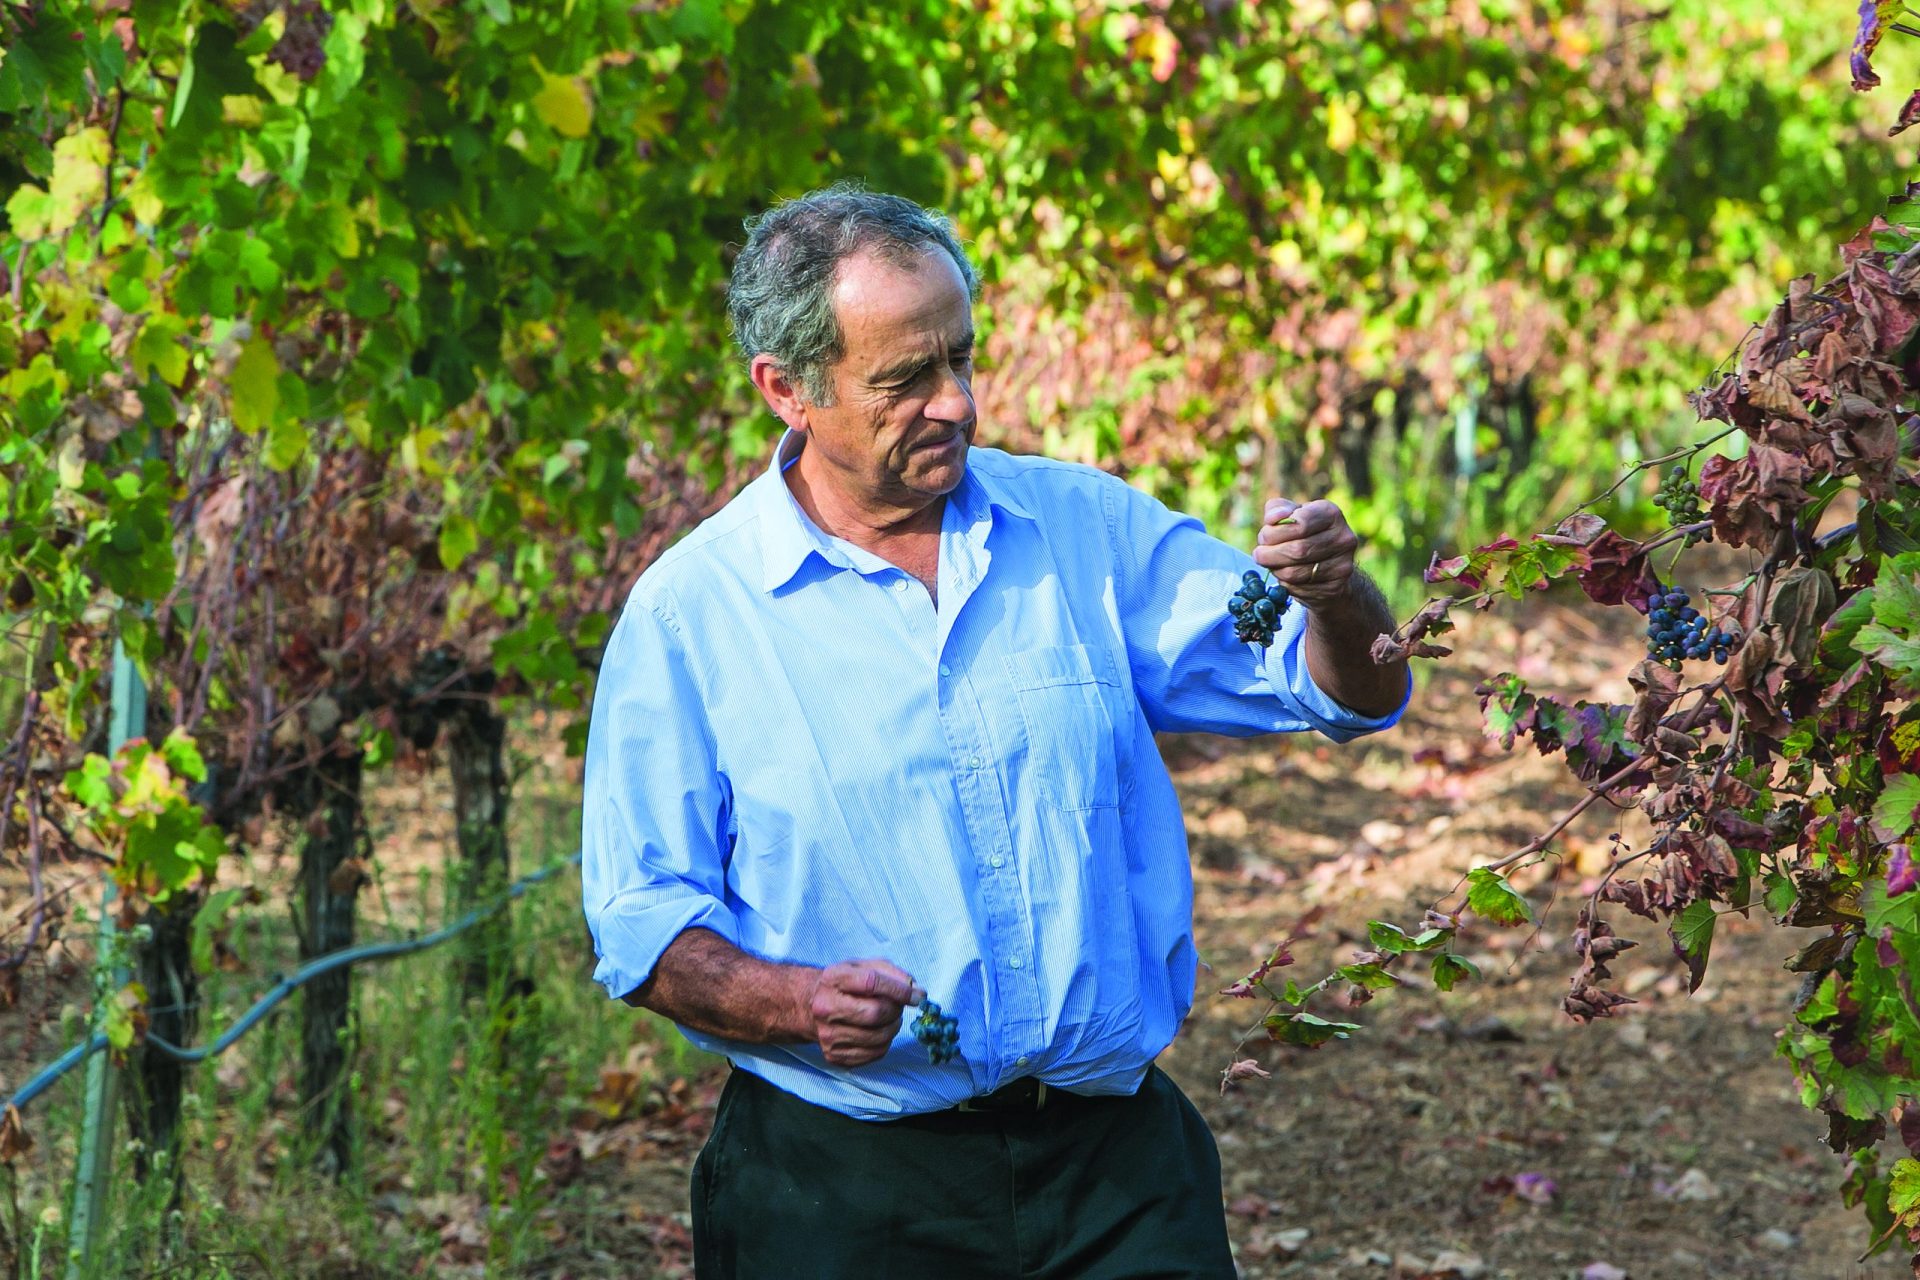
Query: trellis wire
44, 1079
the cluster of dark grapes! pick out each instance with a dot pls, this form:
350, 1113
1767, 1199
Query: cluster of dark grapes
1256, 608
1680, 496
1676, 630
938, 1031
301, 49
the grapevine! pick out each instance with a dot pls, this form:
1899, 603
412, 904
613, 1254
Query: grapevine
1788, 782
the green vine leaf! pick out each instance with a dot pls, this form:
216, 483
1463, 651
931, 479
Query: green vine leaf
1307, 1030
1898, 806
254, 386
1693, 939
1490, 897
1449, 970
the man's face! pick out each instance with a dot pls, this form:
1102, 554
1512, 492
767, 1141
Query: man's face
902, 417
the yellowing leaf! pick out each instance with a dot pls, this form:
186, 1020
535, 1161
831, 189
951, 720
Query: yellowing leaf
29, 211
79, 177
146, 204
564, 103
71, 463
157, 349
286, 442
1342, 129
342, 231
253, 386
459, 538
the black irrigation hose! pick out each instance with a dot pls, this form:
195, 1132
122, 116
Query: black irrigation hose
42, 1080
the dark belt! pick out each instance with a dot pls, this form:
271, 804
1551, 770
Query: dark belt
1024, 1094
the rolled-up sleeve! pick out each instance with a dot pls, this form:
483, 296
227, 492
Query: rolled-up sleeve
1190, 673
655, 828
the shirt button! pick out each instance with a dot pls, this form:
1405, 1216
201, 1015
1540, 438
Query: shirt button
899, 584
945, 670
973, 762
996, 862
1015, 963
1022, 1060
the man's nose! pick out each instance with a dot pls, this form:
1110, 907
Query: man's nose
953, 401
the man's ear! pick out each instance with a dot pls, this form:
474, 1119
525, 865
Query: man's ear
780, 390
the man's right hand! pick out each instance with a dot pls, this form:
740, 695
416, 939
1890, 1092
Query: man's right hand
852, 1010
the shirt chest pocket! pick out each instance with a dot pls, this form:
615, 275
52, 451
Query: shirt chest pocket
1070, 700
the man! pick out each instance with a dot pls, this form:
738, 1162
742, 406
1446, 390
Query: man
883, 728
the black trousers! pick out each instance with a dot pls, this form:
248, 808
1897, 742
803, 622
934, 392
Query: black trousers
1083, 1189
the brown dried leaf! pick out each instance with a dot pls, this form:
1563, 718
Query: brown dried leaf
1581, 530
348, 877
1407, 641
1244, 1069
1771, 390
1799, 602
1886, 311
1752, 498
14, 1139
1656, 686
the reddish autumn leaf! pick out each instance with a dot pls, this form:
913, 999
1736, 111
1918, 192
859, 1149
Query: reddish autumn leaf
1249, 987
1907, 1117
1903, 874
1617, 572
1752, 498
1909, 115
1874, 17
1452, 569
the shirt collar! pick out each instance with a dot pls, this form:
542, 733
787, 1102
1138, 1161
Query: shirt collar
788, 535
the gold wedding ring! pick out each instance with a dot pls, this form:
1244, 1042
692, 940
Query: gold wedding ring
1315, 572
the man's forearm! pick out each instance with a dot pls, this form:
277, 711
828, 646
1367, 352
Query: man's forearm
705, 982
1340, 640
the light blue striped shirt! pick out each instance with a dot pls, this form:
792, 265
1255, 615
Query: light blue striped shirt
794, 748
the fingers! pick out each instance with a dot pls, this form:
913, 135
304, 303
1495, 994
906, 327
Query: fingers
1279, 509
857, 1009
1313, 553
873, 979
1302, 521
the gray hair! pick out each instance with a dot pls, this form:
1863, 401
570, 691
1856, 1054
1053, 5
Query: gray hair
780, 298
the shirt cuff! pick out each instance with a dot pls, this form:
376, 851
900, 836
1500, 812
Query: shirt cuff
1286, 674
631, 934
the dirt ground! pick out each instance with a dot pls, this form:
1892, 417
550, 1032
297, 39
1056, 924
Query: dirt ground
1477, 1134
1481, 1133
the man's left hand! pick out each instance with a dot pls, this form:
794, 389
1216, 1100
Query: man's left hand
1311, 553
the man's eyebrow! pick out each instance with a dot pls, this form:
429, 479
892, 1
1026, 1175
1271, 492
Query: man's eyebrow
901, 369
